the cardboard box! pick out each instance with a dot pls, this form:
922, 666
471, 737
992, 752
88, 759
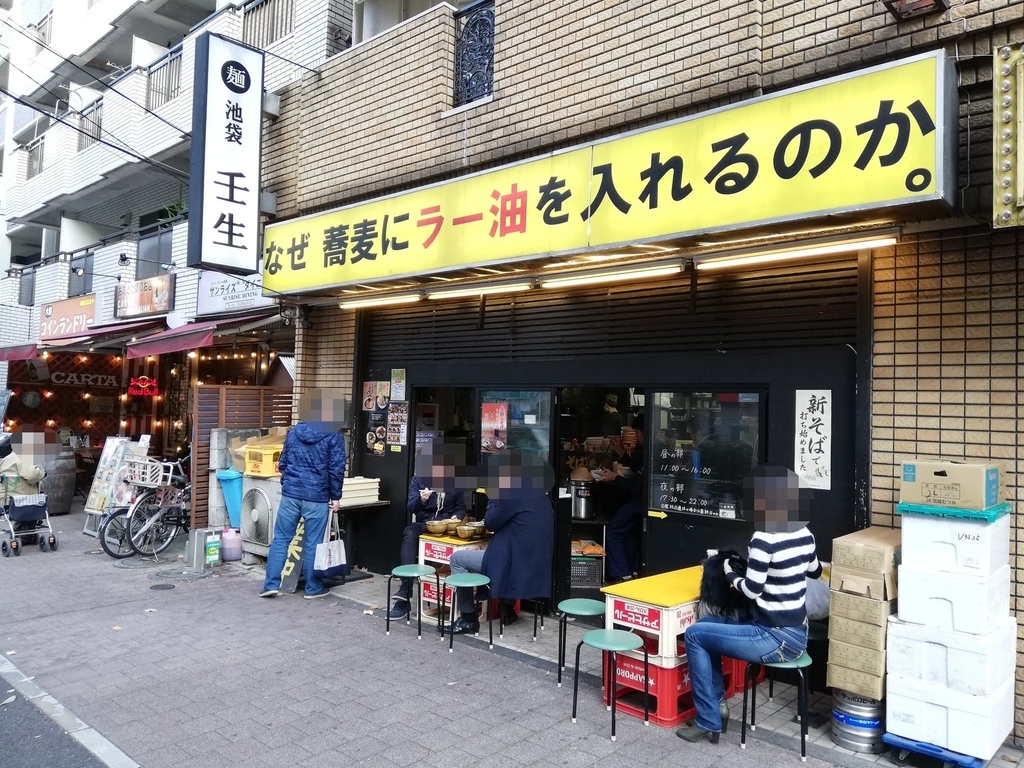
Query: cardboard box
974, 664
869, 660
951, 601
860, 609
860, 683
960, 485
970, 725
867, 584
858, 633
874, 549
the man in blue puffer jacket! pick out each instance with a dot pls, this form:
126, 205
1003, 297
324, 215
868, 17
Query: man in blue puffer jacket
312, 469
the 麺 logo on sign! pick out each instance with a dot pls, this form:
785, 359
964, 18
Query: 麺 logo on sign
235, 77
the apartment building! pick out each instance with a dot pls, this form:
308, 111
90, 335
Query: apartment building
438, 187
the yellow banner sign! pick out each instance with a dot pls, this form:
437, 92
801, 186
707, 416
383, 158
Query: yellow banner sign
878, 138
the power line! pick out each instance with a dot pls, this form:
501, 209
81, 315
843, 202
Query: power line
80, 114
26, 34
166, 169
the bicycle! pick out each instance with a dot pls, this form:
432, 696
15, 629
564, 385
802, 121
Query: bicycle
163, 510
113, 534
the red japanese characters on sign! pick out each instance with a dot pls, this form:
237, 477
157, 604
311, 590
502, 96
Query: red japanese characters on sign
636, 615
143, 386
439, 552
430, 593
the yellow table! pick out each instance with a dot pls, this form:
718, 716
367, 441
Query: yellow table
663, 606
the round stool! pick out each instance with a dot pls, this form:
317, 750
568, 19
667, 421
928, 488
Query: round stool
611, 642
817, 632
414, 572
800, 664
465, 580
580, 606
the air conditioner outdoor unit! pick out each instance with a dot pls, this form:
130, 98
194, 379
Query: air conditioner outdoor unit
260, 498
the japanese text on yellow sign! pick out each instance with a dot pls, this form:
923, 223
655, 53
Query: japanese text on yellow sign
866, 141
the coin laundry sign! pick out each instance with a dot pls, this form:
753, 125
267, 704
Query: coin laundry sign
227, 126
143, 386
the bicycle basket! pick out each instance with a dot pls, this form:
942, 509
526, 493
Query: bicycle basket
147, 472
27, 508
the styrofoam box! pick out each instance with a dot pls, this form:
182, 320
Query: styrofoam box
972, 604
971, 725
974, 664
974, 547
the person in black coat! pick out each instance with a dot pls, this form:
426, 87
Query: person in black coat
518, 558
625, 493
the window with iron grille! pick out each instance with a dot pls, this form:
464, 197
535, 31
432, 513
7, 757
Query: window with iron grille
266, 21
154, 245
474, 52
164, 80
35, 158
27, 288
91, 125
80, 284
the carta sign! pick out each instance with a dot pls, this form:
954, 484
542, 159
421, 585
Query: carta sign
88, 379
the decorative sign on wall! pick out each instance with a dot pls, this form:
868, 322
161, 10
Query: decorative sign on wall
219, 293
812, 455
63, 318
143, 386
152, 296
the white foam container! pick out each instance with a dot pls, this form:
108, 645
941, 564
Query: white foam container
971, 725
972, 547
973, 664
952, 601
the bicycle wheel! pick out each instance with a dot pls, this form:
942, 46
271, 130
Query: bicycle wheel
148, 534
113, 534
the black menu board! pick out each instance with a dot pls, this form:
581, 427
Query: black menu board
702, 446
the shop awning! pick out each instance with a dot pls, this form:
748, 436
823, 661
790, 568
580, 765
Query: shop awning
102, 336
18, 352
194, 335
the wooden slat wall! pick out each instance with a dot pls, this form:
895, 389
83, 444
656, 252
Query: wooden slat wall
808, 304
229, 407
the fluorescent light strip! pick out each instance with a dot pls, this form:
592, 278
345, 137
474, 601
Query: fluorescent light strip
793, 253
481, 290
619, 275
381, 301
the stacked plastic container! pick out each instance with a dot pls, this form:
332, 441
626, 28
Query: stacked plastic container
951, 651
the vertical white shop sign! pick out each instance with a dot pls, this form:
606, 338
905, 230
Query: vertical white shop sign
813, 445
227, 128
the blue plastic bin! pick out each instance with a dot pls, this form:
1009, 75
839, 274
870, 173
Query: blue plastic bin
231, 485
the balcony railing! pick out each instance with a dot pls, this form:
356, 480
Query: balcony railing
164, 80
35, 157
266, 21
474, 52
43, 30
91, 125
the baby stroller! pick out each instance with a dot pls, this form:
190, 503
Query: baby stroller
27, 521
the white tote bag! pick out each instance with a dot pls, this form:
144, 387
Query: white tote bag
330, 553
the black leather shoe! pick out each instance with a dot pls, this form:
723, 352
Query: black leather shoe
693, 733
723, 711
465, 627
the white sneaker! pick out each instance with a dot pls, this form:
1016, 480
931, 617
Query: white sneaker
270, 593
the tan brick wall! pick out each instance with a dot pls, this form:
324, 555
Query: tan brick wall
324, 352
948, 368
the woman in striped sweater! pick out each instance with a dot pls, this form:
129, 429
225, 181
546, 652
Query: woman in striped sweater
781, 557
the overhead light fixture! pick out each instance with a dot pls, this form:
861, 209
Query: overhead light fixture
614, 276
482, 290
380, 301
903, 10
794, 252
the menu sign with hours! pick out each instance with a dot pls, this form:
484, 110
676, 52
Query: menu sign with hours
702, 446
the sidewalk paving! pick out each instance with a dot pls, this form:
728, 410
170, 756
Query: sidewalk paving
207, 674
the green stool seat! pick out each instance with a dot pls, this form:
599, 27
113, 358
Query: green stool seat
577, 606
415, 573
463, 581
412, 571
611, 642
800, 664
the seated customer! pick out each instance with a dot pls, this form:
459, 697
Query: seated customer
518, 557
428, 500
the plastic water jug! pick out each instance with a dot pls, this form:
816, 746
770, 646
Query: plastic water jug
230, 545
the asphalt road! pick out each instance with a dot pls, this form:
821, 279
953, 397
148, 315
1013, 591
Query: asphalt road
29, 739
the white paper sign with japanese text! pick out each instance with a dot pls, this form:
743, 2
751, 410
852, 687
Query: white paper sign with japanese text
813, 445
227, 121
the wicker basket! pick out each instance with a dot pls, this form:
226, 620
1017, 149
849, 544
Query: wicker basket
147, 472
586, 572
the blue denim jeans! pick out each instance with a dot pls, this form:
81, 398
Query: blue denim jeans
469, 561
288, 513
713, 637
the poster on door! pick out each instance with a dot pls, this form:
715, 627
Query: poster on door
813, 445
